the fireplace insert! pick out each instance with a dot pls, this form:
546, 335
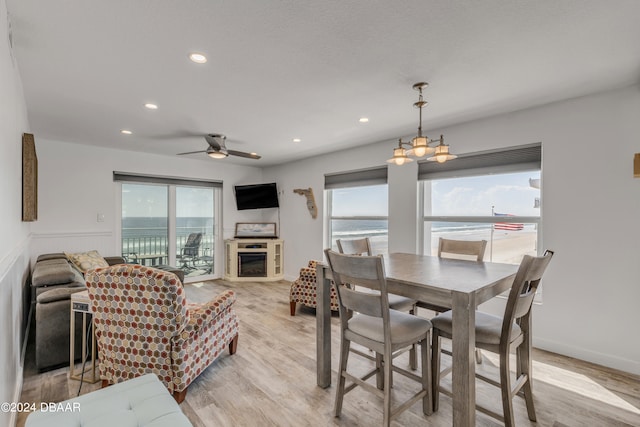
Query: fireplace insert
252, 264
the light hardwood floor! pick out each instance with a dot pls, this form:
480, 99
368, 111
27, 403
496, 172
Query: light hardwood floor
271, 380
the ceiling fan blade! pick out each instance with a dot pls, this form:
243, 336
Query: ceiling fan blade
192, 152
243, 154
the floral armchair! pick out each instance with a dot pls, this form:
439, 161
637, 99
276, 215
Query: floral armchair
303, 289
143, 324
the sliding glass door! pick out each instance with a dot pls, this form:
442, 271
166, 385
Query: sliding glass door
194, 230
170, 224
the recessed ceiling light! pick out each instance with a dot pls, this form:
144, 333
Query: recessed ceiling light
126, 132
151, 106
364, 120
296, 140
198, 58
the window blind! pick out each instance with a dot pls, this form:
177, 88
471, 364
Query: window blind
514, 159
168, 180
356, 178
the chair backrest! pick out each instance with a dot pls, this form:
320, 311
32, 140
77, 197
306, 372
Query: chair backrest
192, 245
355, 246
137, 311
524, 289
351, 271
470, 248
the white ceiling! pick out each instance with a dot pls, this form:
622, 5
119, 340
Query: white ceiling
284, 69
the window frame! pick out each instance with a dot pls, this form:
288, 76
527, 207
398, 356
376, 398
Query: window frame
502, 161
171, 183
351, 179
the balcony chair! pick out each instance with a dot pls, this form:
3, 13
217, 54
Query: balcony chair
144, 324
366, 319
303, 290
501, 335
190, 251
472, 250
362, 247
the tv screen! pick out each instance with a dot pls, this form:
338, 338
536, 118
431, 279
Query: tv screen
256, 196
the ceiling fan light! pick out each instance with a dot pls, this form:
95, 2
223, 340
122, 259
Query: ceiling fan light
217, 154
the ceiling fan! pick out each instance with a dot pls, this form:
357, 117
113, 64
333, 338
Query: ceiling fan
218, 150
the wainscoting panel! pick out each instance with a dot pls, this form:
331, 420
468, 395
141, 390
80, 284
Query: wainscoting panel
14, 308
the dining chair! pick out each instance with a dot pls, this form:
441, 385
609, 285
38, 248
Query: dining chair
501, 335
472, 250
396, 302
367, 320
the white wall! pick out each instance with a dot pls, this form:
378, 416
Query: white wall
590, 215
14, 234
76, 183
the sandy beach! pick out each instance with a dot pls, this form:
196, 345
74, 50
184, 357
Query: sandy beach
504, 246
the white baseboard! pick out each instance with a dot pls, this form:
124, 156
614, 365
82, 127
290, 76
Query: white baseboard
608, 360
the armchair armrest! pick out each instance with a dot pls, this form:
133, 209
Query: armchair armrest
201, 314
314, 263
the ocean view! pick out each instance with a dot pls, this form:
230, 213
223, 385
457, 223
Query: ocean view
506, 246
148, 235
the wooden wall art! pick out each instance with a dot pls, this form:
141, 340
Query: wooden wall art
29, 178
311, 201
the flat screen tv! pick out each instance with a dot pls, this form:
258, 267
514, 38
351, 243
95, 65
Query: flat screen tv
256, 196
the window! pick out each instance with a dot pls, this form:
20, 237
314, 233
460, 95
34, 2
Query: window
357, 207
492, 196
169, 221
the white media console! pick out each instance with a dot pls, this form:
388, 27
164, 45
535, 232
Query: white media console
251, 260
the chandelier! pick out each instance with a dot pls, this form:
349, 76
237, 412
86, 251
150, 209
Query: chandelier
421, 145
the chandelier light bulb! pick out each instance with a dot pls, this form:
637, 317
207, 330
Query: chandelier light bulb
421, 146
442, 153
399, 155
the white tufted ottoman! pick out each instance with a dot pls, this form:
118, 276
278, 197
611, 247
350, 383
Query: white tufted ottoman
142, 401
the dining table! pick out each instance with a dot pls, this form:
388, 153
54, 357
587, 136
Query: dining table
457, 284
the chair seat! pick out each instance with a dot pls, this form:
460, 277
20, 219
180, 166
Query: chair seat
488, 327
404, 327
400, 303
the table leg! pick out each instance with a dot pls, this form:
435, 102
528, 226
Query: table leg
72, 328
463, 376
323, 328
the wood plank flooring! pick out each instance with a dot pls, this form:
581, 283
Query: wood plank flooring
271, 380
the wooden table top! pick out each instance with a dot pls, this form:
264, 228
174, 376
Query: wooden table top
445, 274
